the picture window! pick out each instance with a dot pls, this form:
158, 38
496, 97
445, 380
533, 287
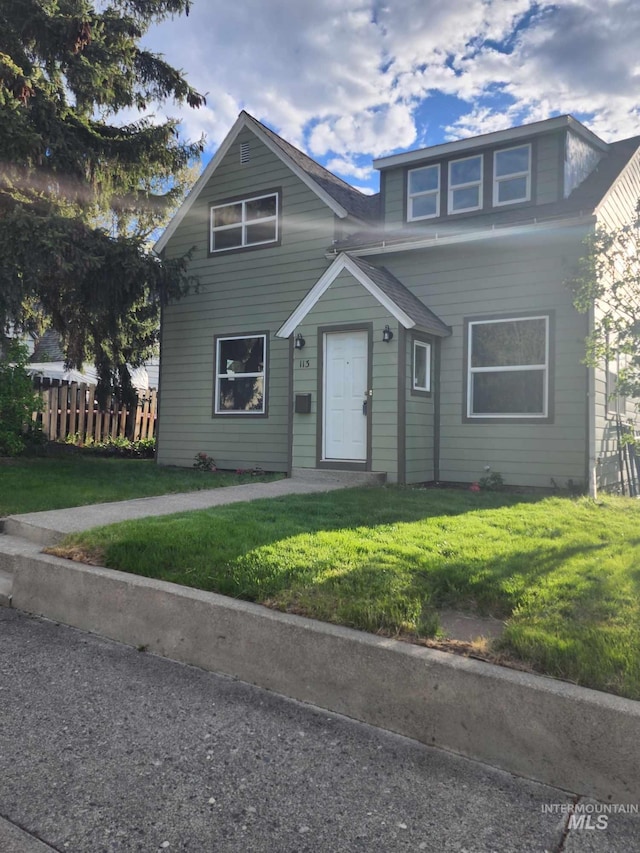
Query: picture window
508, 368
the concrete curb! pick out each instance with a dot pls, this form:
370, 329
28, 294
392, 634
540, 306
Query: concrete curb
569, 737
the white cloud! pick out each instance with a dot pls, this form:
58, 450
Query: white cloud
342, 78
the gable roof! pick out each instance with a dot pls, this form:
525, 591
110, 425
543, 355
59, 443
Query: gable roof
343, 199
397, 299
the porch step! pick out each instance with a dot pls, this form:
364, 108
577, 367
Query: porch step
351, 478
11, 546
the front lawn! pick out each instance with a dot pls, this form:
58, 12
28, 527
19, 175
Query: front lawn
33, 484
564, 573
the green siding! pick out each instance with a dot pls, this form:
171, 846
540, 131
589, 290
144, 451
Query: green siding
617, 209
240, 292
498, 277
419, 426
393, 182
548, 173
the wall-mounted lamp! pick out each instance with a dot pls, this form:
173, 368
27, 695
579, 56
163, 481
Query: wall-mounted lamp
300, 341
387, 334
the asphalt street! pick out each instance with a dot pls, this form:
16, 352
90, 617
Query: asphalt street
107, 748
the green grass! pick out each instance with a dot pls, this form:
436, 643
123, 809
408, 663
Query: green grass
33, 484
564, 573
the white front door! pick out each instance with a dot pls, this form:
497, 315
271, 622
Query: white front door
345, 395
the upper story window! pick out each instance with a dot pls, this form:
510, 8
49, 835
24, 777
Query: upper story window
465, 184
512, 175
247, 222
423, 196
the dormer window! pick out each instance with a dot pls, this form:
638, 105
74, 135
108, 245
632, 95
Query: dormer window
423, 196
465, 184
512, 175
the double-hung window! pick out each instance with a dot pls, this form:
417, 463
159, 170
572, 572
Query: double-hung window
465, 184
421, 367
512, 175
423, 193
248, 222
241, 363
508, 368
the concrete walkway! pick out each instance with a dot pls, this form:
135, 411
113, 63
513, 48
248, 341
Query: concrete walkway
49, 527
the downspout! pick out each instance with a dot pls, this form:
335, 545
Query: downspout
592, 459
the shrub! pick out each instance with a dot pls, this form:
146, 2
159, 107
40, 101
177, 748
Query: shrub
493, 482
18, 401
203, 462
143, 448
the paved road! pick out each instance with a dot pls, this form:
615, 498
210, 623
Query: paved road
104, 748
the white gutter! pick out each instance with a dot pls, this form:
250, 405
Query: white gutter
384, 248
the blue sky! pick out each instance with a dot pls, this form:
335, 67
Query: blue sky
351, 80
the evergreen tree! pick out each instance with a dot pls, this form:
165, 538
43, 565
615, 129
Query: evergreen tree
79, 191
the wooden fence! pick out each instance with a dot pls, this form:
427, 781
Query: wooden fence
71, 409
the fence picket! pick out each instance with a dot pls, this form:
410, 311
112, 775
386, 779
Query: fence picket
73, 407
70, 409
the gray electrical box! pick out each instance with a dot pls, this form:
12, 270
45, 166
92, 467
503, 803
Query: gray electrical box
303, 404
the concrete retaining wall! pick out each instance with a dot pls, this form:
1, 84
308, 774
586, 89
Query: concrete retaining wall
573, 738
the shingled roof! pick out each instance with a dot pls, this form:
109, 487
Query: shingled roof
384, 287
401, 296
356, 203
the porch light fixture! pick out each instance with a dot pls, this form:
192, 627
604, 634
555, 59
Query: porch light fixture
300, 341
387, 334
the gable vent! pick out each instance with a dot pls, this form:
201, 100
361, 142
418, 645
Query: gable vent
244, 152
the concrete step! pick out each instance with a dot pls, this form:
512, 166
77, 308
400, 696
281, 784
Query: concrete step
10, 546
351, 478
6, 587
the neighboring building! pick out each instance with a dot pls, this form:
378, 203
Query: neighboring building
47, 361
425, 332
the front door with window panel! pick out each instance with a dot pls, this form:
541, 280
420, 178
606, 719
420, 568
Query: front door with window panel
345, 396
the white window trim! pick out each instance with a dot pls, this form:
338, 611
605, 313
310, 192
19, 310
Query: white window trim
467, 185
427, 347
508, 368
244, 223
411, 196
219, 376
498, 180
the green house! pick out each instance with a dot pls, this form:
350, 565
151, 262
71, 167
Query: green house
425, 333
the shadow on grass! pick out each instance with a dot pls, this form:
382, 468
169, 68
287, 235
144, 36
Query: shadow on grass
563, 572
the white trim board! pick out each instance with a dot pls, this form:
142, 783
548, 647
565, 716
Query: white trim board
342, 262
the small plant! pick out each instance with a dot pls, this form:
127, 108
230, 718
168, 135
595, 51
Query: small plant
203, 462
493, 482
